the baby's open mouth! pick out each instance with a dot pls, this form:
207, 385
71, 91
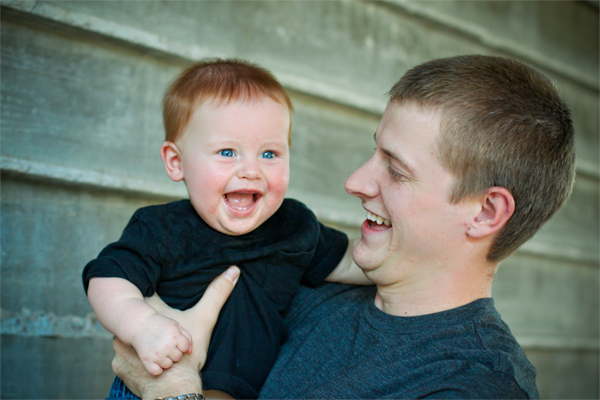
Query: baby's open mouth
241, 201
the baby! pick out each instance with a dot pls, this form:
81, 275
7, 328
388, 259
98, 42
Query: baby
228, 126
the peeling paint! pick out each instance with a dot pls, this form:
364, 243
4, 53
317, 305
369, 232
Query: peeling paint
46, 324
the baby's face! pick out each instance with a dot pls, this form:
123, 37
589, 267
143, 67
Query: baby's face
235, 162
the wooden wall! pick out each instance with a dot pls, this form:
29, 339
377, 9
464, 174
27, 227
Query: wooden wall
81, 85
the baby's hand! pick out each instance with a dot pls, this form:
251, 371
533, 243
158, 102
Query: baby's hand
160, 342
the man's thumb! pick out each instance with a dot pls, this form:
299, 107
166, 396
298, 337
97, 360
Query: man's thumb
232, 274
217, 293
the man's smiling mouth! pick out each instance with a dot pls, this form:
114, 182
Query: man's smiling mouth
377, 219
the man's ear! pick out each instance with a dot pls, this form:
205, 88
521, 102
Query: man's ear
497, 206
171, 156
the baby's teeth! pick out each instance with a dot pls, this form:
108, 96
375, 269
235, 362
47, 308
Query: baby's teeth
379, 220
387, 223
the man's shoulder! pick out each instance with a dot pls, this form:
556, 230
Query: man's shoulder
511, 361
495, 336
472, 381
491, 360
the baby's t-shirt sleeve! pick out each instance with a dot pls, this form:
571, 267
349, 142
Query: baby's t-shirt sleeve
134, 257
330, 249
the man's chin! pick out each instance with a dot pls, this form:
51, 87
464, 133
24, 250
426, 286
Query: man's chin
365, 259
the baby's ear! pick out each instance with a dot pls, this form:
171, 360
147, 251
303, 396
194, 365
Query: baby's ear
497, 206
171, 156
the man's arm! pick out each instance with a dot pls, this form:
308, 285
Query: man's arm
347, 271
183, 377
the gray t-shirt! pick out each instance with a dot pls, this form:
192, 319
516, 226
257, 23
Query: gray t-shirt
341, 346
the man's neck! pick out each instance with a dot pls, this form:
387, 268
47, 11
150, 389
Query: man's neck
445, 290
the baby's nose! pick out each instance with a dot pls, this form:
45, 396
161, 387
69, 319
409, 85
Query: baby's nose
249, 169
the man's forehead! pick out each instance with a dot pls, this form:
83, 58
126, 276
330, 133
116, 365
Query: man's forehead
407, 131
411, 119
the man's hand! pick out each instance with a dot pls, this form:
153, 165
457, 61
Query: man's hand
199, 321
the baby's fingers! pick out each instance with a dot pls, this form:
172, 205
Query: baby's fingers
154, 368
168, 361
185, 342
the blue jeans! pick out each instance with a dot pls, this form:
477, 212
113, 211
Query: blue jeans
119, 391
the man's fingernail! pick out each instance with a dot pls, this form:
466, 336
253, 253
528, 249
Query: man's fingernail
232, 274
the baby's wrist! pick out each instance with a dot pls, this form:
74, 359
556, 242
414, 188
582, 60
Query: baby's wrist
142, 331
136, 328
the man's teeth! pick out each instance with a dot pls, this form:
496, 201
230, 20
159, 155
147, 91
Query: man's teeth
377, 219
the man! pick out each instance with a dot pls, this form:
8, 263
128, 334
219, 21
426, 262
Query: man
473, 155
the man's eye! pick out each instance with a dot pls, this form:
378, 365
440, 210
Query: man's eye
268, 154
227, 153
394, 173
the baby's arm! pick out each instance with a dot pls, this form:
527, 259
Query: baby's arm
120, 308
347, 271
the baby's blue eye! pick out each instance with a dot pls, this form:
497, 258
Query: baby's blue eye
268, 154
226, 153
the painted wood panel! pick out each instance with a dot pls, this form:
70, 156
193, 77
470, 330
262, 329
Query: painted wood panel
106, 119
371, 40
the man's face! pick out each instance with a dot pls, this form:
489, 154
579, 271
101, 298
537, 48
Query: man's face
235, 162
404, 187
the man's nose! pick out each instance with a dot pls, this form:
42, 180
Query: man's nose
249, 169
362, 183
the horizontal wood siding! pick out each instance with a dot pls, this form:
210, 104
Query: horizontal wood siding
81, 88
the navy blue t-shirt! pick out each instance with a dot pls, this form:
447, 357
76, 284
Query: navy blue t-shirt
169, 250
341, 346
